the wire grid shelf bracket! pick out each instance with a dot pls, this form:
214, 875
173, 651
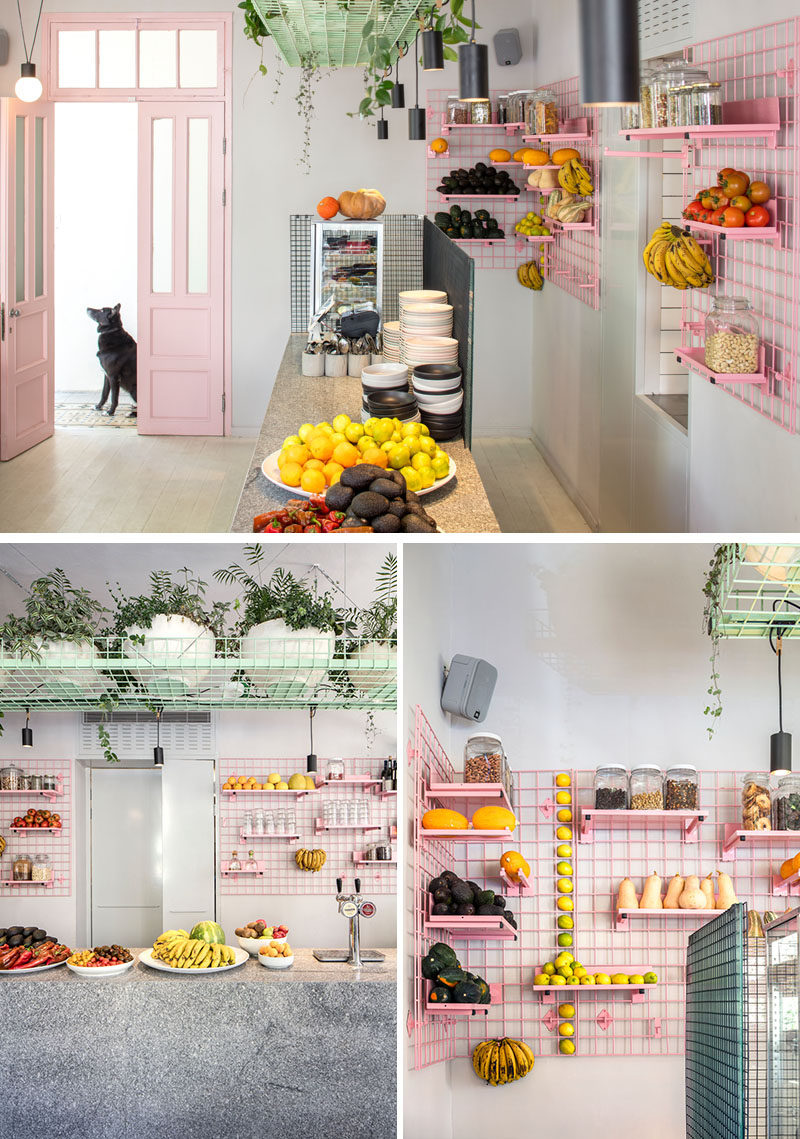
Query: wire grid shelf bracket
331, 35
192, 673
607, 1023
756, 64
281, 874
56, 845
783, 1052
715, 1028
402, 264
759, 591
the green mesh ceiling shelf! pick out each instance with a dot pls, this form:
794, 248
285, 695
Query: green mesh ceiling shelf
760, 587
330, 31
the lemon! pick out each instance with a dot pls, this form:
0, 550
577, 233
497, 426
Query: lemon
411, 429
337, 438
565, 922
382, 431
421, 460
388, 446
564, 850
563, 797
564, 868
292, 441
305, 431
588, 979
441, 467
549, 969
558, 980
425, 430
564, 886
566, 1029
365, 443
565, 939
412, 477
565, 904
566, 1010
565, 973
340, 422
324, 426
397, 437
567, 1047
563, 832
564, 815
562, 780
400, 457
413, 444
427, 477
427, 445
353, 432
370, 425
564, 959
541, 979
580, 972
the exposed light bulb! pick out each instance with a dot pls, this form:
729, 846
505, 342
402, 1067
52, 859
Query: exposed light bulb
29, 86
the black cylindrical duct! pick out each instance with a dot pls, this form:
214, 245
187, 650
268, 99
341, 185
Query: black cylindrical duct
416, 124
780, 751
473, 72
432, 50
399, 96
383, 129
609, 32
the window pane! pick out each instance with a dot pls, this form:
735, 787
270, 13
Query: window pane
163, 192
20, 209
198, 204
38, 190
158, 65
199, 62
117, 59
77, 63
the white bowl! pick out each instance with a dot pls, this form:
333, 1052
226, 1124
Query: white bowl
253, 944
444, 407
436, 388
382, 372
422, 296
374, 384
101, 970
276, 962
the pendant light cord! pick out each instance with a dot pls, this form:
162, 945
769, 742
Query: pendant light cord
416, 69
776, 644
474, 25
28, 54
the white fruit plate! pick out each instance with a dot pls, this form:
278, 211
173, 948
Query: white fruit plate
35, 969
147, 958
277, 962
272, 472
101, 970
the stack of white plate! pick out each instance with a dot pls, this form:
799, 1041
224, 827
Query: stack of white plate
429, 350
421, 297
426, 320
391, 341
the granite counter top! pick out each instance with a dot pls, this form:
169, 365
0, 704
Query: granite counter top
461, 507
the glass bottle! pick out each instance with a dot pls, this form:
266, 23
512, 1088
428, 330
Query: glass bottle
732, 340
756, 802
234, 863
647, 788
611, 788
251, 866
502, 109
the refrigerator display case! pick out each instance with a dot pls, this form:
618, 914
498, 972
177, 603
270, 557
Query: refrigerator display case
783, 1058
346, 265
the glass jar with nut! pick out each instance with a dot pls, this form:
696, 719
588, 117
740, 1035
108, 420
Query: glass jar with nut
756, 802
485, 761
680, 788
732, 340
647, 788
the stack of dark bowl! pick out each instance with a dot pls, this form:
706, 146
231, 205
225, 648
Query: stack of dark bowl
440, 397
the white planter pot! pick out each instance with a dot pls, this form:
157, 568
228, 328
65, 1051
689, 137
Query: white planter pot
286, 661
177, 655
377, 665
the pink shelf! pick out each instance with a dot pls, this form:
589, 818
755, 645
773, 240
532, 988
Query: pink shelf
319, 826
546, 166
479, 197
521, 889
256, 791
575, 130
35, 830
694, 359
386, 794
495, 991
247, 873
623, 916
479, 240
463, 928
785, 887
467, 836
736, 839
475, 794
291, 836
349, 781
686, 821
550, 993
12, 882
537, 238
377, 862
507, 128
746, 118
746, 233
44, 794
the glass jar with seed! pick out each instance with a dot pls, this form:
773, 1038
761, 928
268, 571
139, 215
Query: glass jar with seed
611, 788
732, 340
785, 801
756, 802
680, 788
647, 788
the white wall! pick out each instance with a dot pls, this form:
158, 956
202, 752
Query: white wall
96, 187
600, 656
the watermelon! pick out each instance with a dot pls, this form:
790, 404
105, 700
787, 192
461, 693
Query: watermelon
208, 931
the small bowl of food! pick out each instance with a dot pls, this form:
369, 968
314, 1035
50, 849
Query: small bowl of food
276, 954
254, 935
103, 961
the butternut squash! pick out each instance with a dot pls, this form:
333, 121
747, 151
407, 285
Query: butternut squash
726, 895
707, 886
651, 894
692, 897
674, 891
626, 897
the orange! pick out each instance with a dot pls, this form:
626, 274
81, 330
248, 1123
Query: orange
375, 457
313, 481
283, 457
439, 146
298, 454
314, 465
512, 862
321, 446
291, 473
332, 471
346, 455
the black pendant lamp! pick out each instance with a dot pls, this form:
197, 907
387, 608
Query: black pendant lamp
29, 86
27, 731
158, 751
311, 759
609, 52
780, 742
399, 89
473, 68
432, 50
416, 114
383, 127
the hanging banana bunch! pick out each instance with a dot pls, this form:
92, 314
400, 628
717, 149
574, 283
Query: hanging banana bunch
502, 1061
575, 178
674, 258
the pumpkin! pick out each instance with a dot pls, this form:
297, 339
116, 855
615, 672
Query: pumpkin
493, 819
499, 155
362, 205
564, 155
439, 146
328, 208
208, 931
512, 863
440, 819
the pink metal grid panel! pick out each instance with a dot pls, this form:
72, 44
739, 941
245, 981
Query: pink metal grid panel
56, 845
609, 1021
280, 874
757, 64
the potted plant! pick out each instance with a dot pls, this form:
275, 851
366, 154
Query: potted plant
170, 634
287, 631
58, 633
372, 648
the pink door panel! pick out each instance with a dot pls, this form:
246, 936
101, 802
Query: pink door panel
182, 297
26, 276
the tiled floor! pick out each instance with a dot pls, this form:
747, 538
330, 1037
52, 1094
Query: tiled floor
676, 407
102, 480
525, 494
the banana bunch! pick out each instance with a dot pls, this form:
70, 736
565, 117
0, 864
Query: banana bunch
2, 844
675, 258
502, 1061
574, 178
530, 276
311, 860
191, 953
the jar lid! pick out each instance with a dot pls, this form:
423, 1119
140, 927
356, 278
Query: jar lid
485, 736
730, 304
611, 767
681, 767
645, 767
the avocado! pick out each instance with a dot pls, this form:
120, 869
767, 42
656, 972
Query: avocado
467, 993
412, 524
512, 921
440, 909
386, 524
369, 505
499, 900
39, 935
466, 911
435, 883
28, 930
361, 476
439, 995
442, 895
15, 940
14, 929
487, 911
461, 893
485, 898
338, 497
448, 876
397, 507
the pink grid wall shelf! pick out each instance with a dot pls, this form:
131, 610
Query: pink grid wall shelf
56, 843
278, 871
614, 1020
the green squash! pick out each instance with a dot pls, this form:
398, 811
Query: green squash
208, 931
439, 995
451, 977
467, 993
431, 967
445, 954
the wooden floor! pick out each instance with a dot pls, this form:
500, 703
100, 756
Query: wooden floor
101, 480
525, 494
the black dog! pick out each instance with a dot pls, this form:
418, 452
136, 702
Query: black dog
117, 356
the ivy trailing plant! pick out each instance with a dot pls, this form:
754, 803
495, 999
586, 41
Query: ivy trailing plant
169, 596
54, 611
281, 597
310, 76
723, 556
255, 30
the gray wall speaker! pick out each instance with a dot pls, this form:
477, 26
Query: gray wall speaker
469, 687
508, 47
3, 47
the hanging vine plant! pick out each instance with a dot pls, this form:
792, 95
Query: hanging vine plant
712, 610
255, 30
310, 76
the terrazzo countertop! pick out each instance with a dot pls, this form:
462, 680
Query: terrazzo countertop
304, 1052
461, 507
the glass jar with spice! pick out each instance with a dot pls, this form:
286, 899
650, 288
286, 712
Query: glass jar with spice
786, 801
706, 104
756, 802
457, 112
611, 788
630, 117
680, 788
732, 340
541, 112
23, 868
669, 76
335, 771
647, 788
12, 778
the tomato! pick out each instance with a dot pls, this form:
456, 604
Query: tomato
714, 199
724, 172
757, 216
693, 209
759, 193
733, 218
717, 216
734, 184
742, 202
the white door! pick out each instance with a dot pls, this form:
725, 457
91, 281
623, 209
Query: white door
127, 863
